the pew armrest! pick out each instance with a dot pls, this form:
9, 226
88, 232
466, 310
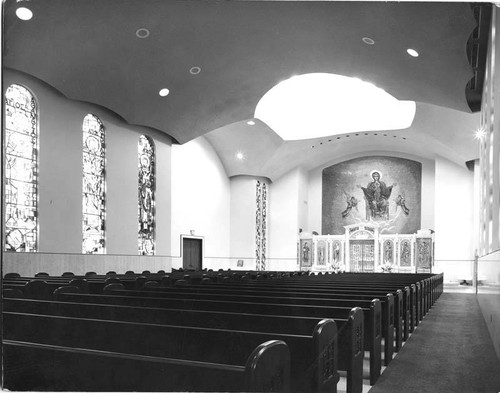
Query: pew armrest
268, 368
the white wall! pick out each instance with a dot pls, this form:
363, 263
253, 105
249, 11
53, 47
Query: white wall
243, 206
489, 295
286, 201
60, 189
454, 220
243, 216
200, 202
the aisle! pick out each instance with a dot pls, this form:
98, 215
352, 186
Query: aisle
451, 351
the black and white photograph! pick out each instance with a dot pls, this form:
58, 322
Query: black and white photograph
294, 196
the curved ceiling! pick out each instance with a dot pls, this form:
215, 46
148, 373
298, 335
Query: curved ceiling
436, 131
92, 50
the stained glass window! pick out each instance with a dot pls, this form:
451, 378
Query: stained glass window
147, 188
93, 186
21, 166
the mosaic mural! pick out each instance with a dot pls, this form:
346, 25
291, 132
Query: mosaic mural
385, 190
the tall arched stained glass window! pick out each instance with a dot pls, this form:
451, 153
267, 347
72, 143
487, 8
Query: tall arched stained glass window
21, 170
93, 186
147, 188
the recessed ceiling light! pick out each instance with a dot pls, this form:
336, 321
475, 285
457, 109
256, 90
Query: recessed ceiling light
250, 122
24, 13
195, 70
368, 41
412, 52
240, 155
142, 33
164, 92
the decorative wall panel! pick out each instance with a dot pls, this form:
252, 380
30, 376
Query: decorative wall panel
385, 190
405, 253
146, 196
260, 225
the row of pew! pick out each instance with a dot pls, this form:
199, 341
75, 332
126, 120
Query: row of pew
208, 330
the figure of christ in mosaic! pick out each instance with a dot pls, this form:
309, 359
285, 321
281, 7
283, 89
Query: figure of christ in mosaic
377, 195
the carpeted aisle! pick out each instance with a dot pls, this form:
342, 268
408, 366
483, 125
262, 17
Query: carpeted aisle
450, 351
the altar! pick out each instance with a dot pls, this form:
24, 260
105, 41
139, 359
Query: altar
363, 249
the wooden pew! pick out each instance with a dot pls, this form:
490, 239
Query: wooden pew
372, 314
315, 327
399, 310
349, 321
425, 282
406, 304
208, 345
34, 366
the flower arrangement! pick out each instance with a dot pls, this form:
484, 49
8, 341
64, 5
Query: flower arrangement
387, 267
337, 267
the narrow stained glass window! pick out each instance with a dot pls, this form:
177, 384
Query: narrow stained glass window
147, 187
93, 186
21, 167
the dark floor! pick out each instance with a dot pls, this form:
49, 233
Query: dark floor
451, 351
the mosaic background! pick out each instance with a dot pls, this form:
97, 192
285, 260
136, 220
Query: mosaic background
344, 202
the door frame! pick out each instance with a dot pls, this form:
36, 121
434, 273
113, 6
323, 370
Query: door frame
202, 238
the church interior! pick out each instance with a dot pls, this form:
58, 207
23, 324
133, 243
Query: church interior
325, 138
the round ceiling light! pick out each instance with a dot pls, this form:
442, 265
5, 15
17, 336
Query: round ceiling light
412, 52
24, 13
195, 70
240, 155
142, 33
164, 92
368, 41
250, 122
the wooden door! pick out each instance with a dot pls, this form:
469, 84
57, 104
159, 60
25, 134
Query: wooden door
192, 253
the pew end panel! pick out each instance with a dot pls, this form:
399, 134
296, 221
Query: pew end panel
418, 303
388, 328
413, 307
398, 319
325, 339
406, 312
268, 368
351, 343
375, 331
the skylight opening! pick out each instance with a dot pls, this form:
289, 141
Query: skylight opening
318, 105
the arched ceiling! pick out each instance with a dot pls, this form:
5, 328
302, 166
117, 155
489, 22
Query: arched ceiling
90, 51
